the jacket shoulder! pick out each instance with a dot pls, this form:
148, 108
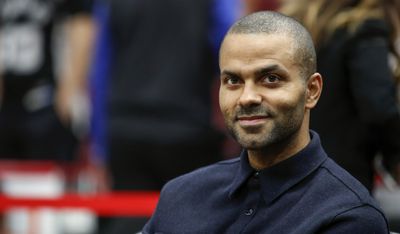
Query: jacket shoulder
202, 178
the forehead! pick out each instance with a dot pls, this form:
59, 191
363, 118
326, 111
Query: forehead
252, 49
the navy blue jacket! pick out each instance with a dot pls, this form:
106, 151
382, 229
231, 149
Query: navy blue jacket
307, 193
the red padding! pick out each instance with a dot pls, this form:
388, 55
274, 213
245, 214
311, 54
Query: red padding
136, 204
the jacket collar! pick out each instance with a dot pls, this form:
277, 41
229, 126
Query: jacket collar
277, 179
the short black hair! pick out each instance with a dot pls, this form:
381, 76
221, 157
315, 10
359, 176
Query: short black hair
271, 22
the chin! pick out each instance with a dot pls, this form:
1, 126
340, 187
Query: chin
252, 144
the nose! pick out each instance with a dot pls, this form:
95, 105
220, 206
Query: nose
250, 96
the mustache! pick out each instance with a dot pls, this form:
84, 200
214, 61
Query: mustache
253, 110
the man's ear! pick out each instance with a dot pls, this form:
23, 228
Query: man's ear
314, 89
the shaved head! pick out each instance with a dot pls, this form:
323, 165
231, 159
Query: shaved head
270, 22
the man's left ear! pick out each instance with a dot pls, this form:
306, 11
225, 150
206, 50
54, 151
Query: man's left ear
314, 89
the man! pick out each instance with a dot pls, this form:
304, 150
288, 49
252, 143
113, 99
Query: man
43, 75
283, 181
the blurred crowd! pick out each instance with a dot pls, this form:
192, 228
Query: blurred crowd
125, 92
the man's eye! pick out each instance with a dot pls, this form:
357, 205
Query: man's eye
271, 78
232, 80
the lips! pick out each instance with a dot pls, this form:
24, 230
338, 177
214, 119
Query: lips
252, 120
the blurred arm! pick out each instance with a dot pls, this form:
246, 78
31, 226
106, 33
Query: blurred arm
80, 31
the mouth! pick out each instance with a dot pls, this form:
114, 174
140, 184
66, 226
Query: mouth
249, 121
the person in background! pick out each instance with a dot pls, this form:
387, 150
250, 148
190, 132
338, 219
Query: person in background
158, 113
260, 5
42, 88
358, 114
269, 84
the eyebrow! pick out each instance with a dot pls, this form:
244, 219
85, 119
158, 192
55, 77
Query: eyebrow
269, 68
261, 71
229, 73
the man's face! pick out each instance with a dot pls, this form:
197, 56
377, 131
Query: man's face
262, 94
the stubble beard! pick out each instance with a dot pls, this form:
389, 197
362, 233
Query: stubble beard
280, 134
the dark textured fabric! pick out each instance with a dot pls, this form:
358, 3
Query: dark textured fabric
160, 90
161, 71
159, 111
308, 193
357, 115
77, 6
35, 136
149, 166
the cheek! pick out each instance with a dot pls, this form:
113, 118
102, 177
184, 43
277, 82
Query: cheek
226, 111
289, 101
226, 101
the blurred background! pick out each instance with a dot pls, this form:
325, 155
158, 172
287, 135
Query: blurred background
102, 102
